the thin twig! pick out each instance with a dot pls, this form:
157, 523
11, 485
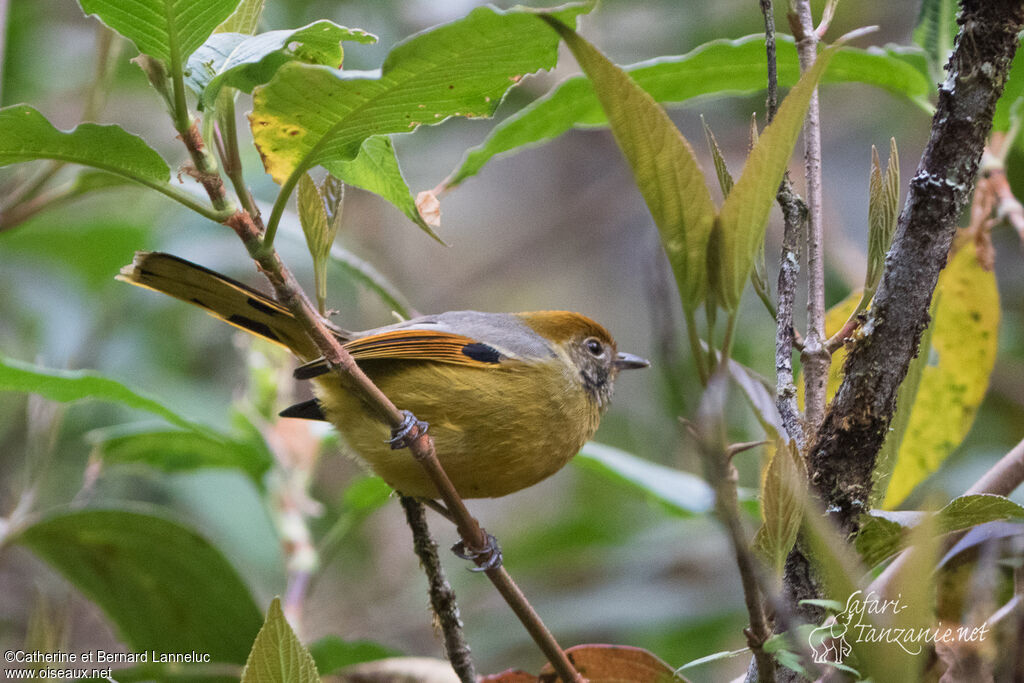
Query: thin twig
723, 477
814, 359
794, 214
442, 597
772, 101
231, 159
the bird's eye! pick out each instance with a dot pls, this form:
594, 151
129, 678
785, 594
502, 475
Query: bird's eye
594, 346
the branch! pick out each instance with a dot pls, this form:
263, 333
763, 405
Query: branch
842, 458
814, 359
722, 475
794, 214
442, 597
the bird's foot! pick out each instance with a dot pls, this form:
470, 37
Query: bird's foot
488, 557
399, 433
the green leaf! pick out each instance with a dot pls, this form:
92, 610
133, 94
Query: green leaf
744, 214
240, 61
163, 585
169, 30
1008, 108
245, 19
74, 385
883, 535
277, 656
966, 511
954, 381
680, 492
840, 571
179, 451
376, 170
663, 164
878, 539
309, 115
26, 135
783, 491
331, 653
935, 31
722, 67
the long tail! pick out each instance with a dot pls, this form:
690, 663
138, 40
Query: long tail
221, 297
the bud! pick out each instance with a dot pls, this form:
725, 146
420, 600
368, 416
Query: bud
320, 218
724, 177
883, 212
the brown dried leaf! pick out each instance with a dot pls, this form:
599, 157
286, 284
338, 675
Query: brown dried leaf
615, 664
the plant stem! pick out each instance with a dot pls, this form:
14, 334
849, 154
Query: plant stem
185, 199
730, 329
723, 478
231, 159
695, 347
182, 118
442, 597
772, 99
794, 213
815, 360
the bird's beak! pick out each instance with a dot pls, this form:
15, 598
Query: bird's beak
627, 361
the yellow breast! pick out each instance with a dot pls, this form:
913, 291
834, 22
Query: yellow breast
496, 430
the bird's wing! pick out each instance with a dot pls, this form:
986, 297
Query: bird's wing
435, 345
413, 344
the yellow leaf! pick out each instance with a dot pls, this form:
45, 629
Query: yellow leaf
954, 372
956, 376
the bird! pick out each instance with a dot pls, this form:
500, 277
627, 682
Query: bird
509, 398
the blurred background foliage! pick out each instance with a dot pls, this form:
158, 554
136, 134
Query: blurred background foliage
557, 226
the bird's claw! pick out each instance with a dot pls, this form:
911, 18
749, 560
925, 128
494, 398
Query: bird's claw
399, 433
488, 557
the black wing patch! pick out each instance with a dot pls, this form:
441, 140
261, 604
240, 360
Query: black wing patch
482, 352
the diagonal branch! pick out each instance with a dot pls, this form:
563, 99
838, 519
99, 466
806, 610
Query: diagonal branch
289, 293
843, 455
